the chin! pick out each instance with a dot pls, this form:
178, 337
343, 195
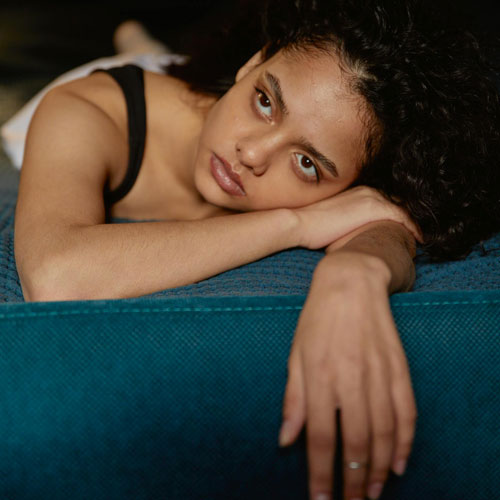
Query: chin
209, 190
213, 195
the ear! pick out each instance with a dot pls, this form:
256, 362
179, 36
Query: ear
252, 63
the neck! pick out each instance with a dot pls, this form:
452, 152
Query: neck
180, 156
188, 136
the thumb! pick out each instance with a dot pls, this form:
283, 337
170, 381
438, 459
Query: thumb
294, 407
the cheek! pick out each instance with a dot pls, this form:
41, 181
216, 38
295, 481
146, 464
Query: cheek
212, 121
282, 190
225, 109
232, 113
216, 129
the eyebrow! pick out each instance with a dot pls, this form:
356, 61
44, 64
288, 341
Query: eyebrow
328, 164
275, 85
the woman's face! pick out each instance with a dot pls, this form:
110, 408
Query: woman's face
288, 133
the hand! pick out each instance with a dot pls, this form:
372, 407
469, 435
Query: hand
347, 355
328, 220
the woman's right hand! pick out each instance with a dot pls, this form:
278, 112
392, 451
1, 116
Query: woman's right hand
326, 221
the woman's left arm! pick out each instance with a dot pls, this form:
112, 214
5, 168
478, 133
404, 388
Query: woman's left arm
347, 355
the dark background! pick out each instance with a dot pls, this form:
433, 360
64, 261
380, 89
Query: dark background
39, 37
46, 37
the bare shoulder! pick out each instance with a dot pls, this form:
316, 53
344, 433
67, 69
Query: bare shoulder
102, 92
78, 141
161, 91
72, 147
88, 113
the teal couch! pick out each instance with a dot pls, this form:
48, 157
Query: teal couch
178, 395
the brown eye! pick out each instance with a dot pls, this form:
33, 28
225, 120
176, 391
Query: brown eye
306, 162
263, 103
264, 100
307, 168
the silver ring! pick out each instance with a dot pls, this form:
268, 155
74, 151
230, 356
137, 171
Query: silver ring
355, 465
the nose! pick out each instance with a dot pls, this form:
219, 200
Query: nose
256, 153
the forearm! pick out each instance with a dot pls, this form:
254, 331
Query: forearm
126, 260
384, 247
347, 355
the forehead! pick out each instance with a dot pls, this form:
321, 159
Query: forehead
317, 71
318, 93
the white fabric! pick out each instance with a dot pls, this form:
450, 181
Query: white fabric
14, 131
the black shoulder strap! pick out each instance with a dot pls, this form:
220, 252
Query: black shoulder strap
131, 80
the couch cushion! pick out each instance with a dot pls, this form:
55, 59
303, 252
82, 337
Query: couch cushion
181, 398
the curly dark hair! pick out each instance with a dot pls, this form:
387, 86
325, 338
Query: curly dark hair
431, 85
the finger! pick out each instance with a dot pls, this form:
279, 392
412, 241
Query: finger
320, 431
356, 441
294, 404
382, 428
405, 410
403, 400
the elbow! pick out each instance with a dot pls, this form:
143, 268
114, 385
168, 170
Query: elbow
49, 281
45, 292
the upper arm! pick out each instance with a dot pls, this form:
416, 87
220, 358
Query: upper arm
70, 149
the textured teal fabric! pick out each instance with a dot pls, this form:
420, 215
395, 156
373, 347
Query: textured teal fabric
10, 289
181, 398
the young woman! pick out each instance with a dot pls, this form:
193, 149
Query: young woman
339, 96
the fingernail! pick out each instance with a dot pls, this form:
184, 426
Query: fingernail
400, 467
375, 490
285, 434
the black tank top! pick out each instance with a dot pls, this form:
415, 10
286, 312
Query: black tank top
131, 80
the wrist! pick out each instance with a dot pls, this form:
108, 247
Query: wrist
353, 268
392, 244
290, 226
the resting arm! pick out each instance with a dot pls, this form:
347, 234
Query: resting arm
347, 355
65, 251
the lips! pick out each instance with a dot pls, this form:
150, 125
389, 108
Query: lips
228, 180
